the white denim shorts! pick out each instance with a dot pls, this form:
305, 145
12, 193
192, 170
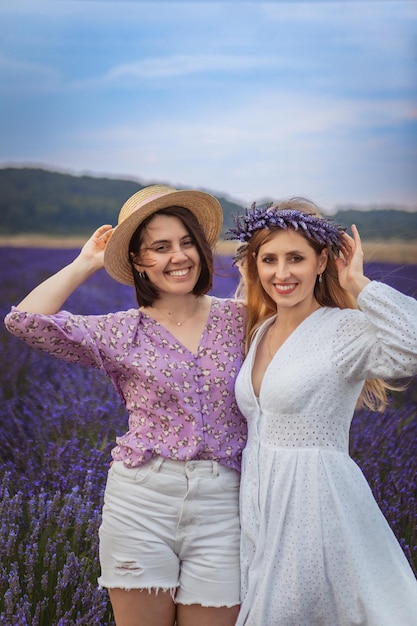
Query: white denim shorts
173, 526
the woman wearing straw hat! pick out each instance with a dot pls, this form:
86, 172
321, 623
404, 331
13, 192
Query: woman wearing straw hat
169, 539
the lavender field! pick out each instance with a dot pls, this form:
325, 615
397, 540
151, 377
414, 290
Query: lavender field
57, 427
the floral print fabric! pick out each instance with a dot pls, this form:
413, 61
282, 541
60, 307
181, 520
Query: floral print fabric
181, 405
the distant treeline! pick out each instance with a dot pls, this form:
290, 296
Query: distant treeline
37, 201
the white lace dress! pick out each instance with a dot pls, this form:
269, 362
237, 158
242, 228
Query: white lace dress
316, 549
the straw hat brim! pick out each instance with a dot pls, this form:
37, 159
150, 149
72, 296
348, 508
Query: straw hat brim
206, 208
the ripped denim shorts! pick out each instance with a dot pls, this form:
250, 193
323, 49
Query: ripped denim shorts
173, 526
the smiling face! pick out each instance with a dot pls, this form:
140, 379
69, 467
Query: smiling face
288, 267
169, 256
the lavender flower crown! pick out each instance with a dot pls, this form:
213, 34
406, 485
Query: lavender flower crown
319, 229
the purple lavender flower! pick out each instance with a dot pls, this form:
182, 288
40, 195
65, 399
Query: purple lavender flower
319, 229
55, 450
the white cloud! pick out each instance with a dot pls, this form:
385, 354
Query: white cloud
280, 145
24, 75
246, 98
187, 64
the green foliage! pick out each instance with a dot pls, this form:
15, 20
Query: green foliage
36, 201
380, 223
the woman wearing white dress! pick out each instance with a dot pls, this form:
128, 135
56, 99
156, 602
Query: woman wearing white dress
316, 549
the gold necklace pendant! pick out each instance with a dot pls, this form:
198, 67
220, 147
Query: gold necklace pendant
168, 315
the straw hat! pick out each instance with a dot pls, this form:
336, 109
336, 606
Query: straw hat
144, 203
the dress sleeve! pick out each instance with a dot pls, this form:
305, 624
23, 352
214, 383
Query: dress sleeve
71, 338
379, 340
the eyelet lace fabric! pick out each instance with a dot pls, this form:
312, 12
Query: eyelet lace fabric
316, 549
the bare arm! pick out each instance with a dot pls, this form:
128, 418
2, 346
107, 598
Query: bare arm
49, 296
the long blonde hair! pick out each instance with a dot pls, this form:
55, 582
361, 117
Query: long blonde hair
328, 292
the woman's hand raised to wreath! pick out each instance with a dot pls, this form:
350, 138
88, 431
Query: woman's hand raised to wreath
350, 264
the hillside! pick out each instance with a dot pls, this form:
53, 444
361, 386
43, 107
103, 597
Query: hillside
38, 202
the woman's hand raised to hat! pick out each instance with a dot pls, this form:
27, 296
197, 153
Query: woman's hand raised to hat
350, 264
49, 296
93, 249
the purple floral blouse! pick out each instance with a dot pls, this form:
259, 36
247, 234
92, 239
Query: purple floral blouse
181, 405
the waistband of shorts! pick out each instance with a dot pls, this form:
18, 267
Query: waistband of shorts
185, 468
191, 468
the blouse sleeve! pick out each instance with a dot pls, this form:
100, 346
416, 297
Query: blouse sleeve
379, 340
72, 338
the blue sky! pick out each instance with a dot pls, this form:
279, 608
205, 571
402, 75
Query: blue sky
248, 99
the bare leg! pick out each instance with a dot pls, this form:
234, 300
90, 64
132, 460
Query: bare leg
190, 615
139, 607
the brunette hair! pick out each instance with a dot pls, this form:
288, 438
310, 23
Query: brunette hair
146, 292
328, 292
